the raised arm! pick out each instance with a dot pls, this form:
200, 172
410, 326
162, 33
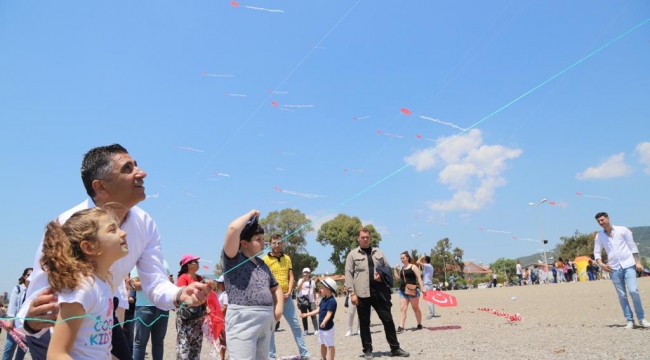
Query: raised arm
231, 243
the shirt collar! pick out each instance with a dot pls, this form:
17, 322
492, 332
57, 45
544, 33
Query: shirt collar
277, 257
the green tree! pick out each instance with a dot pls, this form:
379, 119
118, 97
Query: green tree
415, 255
578, 245
301, 261
507, 266
341, 234
293, 226
444, 258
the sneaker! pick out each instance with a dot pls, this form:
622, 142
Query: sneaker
400, 353
316, 333
349, 333
305, 333
630, 325
419, 327
645, 323
400, 330
368, 355
429, 317
358, 332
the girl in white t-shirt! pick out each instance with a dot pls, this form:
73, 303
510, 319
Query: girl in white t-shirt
77, 257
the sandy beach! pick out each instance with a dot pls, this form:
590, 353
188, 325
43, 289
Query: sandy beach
560, 321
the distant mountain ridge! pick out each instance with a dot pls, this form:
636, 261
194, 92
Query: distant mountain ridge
641, 237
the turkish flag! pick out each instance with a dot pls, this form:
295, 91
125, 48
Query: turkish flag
439, 298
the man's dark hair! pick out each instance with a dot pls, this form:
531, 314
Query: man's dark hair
253, 230
427, 259
601, 214
364, 230
97, 165
276, 237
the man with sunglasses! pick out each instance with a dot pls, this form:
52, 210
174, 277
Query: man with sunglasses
280, 265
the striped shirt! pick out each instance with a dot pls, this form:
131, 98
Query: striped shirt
280, 267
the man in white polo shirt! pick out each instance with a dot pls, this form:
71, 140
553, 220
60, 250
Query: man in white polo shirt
623, 263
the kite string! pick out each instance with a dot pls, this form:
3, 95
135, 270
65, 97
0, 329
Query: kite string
434, 148
256, 110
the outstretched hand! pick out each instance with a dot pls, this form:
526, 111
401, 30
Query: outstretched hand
197, 293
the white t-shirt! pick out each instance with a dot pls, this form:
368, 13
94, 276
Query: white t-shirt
223, 298
95, 333
307, 288
144, 252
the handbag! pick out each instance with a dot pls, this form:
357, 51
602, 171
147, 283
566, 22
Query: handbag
192, 312
409, 289
303, 302
347, 301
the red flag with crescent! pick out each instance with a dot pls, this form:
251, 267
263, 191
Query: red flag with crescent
440, 298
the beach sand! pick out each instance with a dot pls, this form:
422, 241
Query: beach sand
560, 321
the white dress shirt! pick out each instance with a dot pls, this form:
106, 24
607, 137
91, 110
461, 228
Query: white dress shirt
619, 246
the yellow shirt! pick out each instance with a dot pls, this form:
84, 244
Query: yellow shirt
280, 268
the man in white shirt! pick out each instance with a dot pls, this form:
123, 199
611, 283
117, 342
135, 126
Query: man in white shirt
519, 273
623, 263
427, 279
113, 179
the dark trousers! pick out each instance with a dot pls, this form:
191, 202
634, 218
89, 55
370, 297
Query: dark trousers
38, 346
382, 305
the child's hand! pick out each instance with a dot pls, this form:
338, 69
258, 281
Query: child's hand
303, 315
322, 325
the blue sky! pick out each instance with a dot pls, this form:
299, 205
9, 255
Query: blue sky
79, 74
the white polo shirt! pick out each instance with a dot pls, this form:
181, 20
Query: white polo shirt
145, 252
619, 246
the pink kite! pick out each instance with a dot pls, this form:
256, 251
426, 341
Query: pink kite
234, 4
18, 337
206, 267
274, 103
213, 322
439, 298
406, 111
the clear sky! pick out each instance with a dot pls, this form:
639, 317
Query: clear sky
291, 98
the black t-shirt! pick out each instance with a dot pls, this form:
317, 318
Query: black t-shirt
371, 265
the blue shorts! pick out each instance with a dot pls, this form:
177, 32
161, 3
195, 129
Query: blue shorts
404, 296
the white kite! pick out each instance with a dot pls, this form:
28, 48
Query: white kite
442, 122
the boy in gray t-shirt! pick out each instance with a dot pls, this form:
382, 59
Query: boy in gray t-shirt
253, 292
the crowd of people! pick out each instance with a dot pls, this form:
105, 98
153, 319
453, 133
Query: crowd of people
100, 263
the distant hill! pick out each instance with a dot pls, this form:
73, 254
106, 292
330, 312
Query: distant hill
641, 236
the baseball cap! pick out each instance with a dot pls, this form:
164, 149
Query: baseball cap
188, 257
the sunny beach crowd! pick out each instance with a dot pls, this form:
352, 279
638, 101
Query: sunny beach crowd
99, 287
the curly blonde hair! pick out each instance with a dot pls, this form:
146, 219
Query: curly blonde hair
63, 259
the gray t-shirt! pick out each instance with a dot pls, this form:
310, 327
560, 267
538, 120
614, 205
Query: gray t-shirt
247, 284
